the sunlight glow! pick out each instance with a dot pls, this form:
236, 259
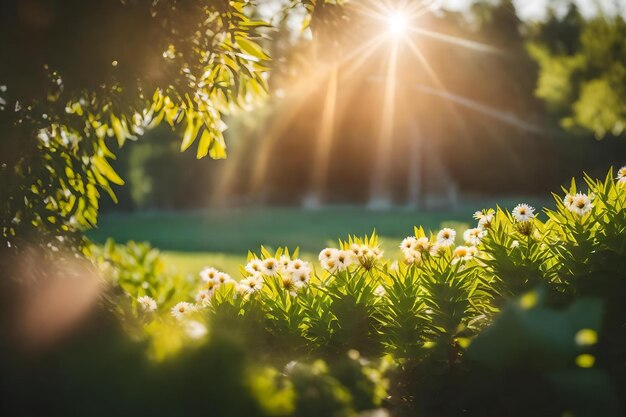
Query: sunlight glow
324, 142
380, 196
395, 30
464, 43
398, 24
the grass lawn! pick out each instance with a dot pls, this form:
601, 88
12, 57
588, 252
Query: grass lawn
221, 238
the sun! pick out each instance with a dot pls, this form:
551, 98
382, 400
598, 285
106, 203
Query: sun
398, 23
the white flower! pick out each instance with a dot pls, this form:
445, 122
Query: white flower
422, 244
298, 265
365, 255
411, 259
568, 200
437, 249
485, 221
223, 278
289, 284
209, 274
250, 284
412, 248
474, 236
284, 262
254, 267
371, 252
581, 204
211, 285
327, 254
343, 259
462, 253
271, 267
180, 310
515, 244
380, 291
621, 174
329, 265
523, 213
301, 278
484, 218
147, 303
358, 250
204, 297
338, 261
446, 237
408, 244
412, 256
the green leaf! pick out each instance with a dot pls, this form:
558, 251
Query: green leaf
107, 171
205, 141
218, 148
191, 131
251, 48
118, 129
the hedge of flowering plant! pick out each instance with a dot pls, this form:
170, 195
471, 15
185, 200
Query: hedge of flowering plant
418, 316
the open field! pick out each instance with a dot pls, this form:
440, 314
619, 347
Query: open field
223, 237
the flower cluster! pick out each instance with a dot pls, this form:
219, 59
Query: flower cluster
474, 236
464, 253
212, 279
578, 203
294, 274
336, 260
485, 218
415, 248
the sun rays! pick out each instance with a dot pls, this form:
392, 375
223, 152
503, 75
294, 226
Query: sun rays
379, 194
324, 141
456, 41
395, 31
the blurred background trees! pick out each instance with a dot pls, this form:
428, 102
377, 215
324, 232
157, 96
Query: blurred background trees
583, 70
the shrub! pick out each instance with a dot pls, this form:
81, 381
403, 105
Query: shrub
426, 321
